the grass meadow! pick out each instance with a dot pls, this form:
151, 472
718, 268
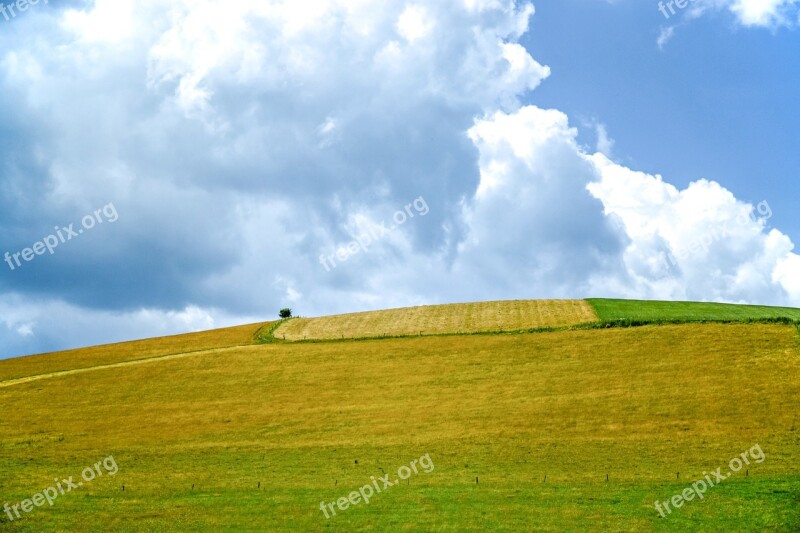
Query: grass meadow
574, 430
661, 312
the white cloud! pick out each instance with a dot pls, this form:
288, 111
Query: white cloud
749, 13
109, 23
533, 229
700, 243
415, 23
239, 144
605, 144
753, 13
787, 274
665, 36
763, 12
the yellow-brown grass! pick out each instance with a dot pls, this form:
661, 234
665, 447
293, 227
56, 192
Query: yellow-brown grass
312, 422
513, 315
620, 385
127, 351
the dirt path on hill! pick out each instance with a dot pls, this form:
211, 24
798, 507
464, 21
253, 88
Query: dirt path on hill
28, 379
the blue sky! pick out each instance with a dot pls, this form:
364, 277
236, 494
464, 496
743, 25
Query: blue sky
719, 101
174, 166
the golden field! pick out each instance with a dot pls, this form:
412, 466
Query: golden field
650, 407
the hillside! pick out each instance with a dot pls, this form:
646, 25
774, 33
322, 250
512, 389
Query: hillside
129, 351
572, 429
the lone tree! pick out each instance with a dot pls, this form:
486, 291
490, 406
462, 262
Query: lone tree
286, 313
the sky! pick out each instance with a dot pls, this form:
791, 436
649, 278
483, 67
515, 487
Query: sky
176, 166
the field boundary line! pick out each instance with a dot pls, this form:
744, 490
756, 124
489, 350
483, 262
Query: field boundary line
600, 324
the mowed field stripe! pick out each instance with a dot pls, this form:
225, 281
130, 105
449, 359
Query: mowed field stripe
479, 317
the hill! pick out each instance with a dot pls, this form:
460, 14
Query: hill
571, 429
94, 356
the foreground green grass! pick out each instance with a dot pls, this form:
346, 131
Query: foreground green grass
313, 422
665, 312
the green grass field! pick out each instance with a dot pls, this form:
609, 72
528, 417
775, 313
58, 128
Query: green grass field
522, 428
656, 312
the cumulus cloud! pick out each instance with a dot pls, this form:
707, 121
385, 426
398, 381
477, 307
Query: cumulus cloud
239, 144
787, 275
575, 223
531, 214
700, 243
